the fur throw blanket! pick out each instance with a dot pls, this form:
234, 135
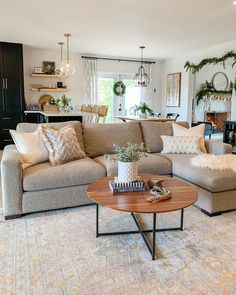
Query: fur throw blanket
215, 162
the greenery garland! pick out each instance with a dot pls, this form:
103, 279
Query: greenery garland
208, 90
119, 88
195, 68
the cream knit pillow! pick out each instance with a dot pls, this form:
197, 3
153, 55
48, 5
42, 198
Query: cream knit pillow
62, 144
31, 148
194, 131
181, 144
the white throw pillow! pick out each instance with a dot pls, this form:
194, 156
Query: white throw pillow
181, 144
31, 148
194, 131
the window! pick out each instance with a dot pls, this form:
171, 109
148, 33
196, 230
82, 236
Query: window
117, 105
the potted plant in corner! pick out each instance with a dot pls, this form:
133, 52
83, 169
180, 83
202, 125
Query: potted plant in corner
128, 158
144, 109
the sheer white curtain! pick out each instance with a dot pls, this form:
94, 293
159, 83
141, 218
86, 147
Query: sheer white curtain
91, 81
146, 92
148, 89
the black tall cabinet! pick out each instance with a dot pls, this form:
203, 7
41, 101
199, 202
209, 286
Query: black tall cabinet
12, 100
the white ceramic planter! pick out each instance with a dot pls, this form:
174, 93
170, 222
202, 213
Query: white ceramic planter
127, 171
142, 115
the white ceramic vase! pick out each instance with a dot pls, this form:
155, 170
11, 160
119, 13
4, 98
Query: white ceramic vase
142, 115
127, 171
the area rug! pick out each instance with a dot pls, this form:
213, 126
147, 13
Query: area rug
57, 253
220, 162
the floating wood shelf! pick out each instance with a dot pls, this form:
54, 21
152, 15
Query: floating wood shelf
47, 76
50, 89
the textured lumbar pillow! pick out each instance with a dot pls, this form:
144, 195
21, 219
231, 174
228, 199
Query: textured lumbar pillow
194, 131
181, 144
31, 148
62, 144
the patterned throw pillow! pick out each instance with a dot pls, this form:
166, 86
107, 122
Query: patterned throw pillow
194, 131
181, 144
62, 144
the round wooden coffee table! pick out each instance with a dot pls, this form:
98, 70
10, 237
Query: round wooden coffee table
183, 195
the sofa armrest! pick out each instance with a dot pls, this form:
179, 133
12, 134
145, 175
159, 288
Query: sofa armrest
11, 177
218, 148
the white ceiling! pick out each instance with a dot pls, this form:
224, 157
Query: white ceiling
118, 27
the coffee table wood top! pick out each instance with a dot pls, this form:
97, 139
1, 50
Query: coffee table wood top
183, 195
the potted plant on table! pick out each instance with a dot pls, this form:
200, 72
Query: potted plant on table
128, 158
144, 109
64, 104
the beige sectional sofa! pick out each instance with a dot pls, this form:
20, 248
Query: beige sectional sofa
44, 187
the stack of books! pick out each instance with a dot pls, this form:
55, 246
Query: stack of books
123, 187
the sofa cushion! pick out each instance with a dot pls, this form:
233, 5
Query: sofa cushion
153, 164
31, 148
193, 131
100, 138
44, 176
181, 144
152, 132
62, 144
212, 180
31, 127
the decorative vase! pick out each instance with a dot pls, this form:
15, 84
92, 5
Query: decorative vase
142, 115
127, 171
64, 109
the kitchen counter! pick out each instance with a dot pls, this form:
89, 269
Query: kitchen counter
56, 114
41, 116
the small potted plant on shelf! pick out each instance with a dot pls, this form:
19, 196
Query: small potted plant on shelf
144, 109
64, 104
128, 158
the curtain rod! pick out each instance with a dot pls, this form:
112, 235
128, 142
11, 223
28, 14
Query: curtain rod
118, 59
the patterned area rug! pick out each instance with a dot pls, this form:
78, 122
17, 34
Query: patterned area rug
57, 253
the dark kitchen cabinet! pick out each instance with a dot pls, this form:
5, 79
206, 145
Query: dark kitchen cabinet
12, 100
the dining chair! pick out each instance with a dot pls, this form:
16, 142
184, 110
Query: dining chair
157, 115
172, 116
91, 118
102, 112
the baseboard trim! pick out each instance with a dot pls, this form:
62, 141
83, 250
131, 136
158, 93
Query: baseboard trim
13, 216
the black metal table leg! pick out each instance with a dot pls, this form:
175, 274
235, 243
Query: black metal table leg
97, 220
150, 246
154, 237
182, 220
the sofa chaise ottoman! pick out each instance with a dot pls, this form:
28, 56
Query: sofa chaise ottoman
45, 187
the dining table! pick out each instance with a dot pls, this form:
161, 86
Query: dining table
137, 118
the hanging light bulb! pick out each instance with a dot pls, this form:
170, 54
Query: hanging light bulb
67, 67
58, 69
141, 79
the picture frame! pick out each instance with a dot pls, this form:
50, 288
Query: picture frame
49, 67
173, 90
38, 70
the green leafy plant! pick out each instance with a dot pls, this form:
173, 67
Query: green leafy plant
143, 108
64, 101
130, 153
208, 90
195, 68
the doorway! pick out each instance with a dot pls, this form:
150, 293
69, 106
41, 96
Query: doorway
117, 105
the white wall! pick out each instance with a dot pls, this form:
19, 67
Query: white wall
188, 83
175, 65
76, 84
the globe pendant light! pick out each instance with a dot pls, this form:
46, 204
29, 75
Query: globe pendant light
67, 67
58, 69
141, 79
